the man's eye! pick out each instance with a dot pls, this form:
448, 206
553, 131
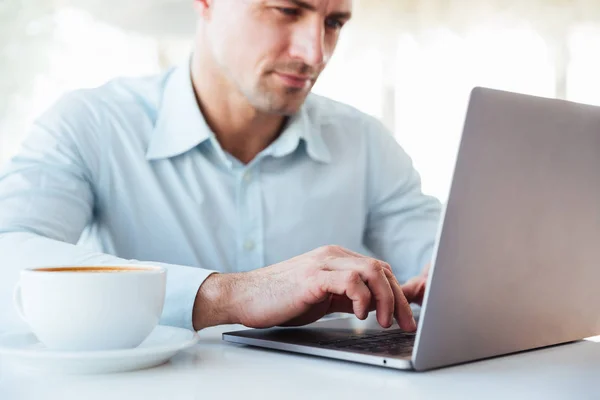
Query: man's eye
291, 12
333, 23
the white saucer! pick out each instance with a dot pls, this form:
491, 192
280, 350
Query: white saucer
164, 342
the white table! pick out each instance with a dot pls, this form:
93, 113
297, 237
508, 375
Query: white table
218, 370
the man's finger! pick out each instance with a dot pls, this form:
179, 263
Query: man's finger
414, 289
410, 288
355, 254
403, 313
350, 284
372, 273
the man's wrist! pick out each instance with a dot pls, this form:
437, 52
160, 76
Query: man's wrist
214, 303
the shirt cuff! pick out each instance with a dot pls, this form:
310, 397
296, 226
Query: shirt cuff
182, 287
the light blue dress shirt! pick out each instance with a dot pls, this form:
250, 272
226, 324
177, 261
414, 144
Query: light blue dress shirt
130, 173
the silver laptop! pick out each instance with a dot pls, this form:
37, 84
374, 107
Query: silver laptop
517, 258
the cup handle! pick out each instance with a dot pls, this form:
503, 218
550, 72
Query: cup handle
19, 302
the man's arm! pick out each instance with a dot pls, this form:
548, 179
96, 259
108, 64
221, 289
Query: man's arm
402, 222
47, 199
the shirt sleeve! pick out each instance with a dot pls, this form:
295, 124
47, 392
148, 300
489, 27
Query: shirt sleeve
47, 199
402, 222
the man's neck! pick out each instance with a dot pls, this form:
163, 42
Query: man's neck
240, 129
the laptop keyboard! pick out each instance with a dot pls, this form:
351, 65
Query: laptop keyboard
393, 343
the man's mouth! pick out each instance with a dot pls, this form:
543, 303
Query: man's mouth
295, 81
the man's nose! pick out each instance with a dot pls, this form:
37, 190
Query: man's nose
308, 44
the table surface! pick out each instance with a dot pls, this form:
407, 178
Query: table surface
216, 369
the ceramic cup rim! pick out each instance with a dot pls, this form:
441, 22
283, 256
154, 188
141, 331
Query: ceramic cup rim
63, 270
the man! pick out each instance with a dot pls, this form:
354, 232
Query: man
268, 206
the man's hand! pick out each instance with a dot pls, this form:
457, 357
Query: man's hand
414, 289
304, 289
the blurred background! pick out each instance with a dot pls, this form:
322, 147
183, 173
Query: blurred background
411, 63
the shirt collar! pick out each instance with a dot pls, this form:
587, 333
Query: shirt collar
300, 128
180, 125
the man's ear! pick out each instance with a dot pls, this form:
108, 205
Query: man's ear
203, 7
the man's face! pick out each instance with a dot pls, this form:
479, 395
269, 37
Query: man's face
273, 51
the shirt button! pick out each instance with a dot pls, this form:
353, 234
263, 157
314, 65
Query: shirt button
248, 176
249, 245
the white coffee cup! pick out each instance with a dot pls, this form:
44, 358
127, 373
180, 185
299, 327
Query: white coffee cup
91, 308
